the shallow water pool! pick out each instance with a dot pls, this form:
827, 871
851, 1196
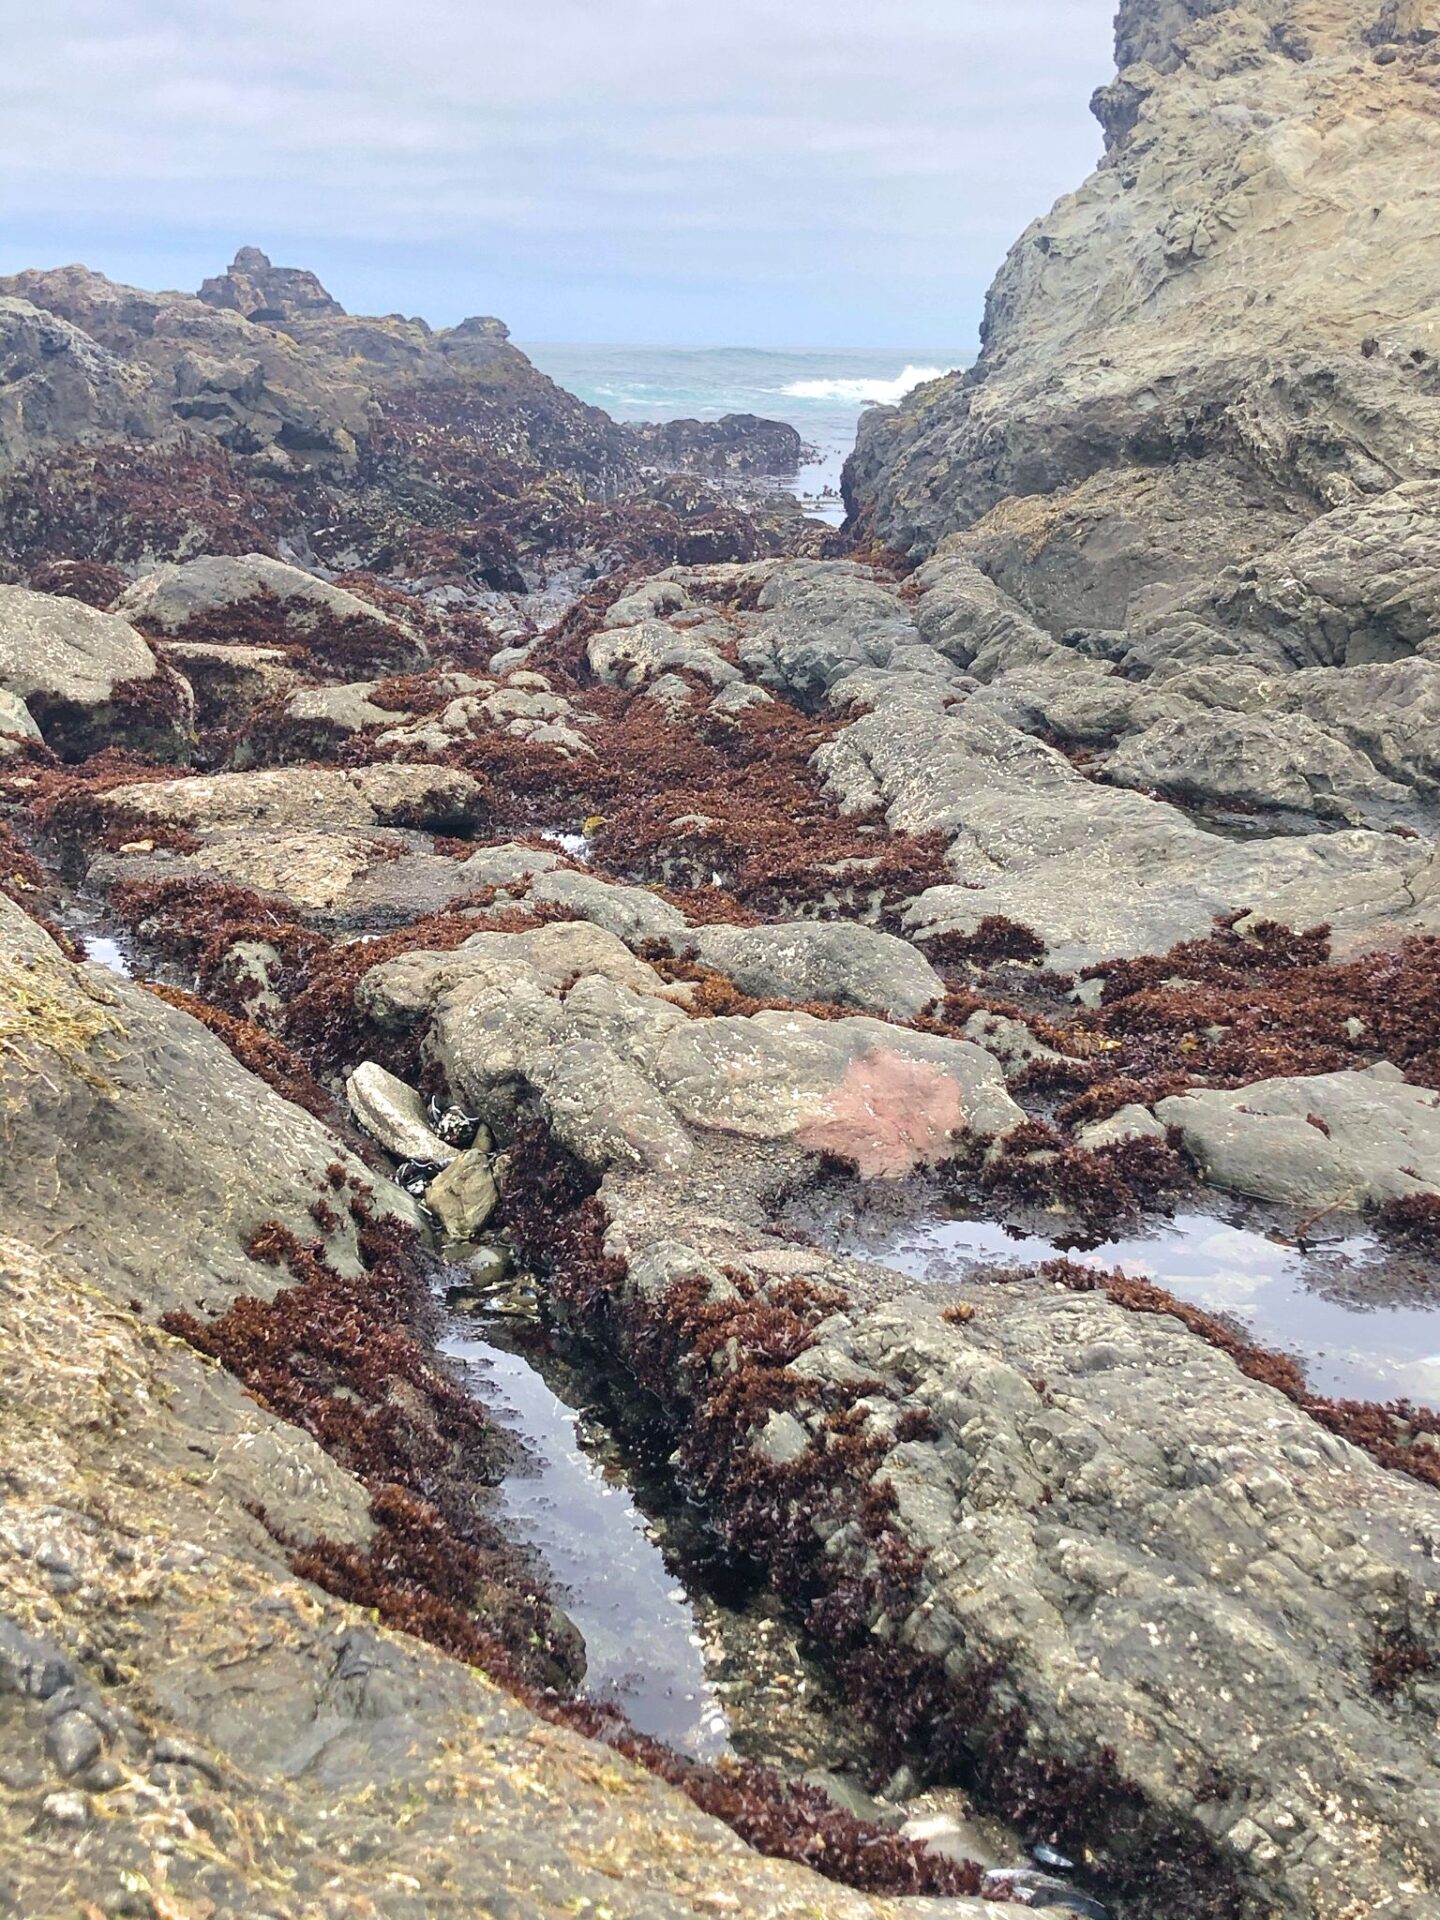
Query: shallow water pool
1359, 1329
105, 952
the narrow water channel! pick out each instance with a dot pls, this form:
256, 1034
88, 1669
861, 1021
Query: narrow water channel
643, 1648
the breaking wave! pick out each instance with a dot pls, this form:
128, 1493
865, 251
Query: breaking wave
863, 392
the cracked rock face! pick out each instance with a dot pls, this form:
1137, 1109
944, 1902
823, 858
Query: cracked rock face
1123, 333
59, 385
1147, 1544
194, 1675
626, 1077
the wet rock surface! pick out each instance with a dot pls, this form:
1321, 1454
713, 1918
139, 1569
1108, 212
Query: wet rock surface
532, 905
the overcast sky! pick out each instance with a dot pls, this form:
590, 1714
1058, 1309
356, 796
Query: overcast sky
716, 172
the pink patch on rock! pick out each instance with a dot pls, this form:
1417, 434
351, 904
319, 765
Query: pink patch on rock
888, 1115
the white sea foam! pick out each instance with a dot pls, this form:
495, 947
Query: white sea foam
863, 392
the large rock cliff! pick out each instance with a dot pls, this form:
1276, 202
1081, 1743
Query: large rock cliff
1232, 327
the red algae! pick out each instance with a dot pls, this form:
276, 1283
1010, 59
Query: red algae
719, 1367
1234, 1008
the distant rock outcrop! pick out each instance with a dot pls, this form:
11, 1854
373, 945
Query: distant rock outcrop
58, 385
1232, 328
265, 293
263, 360
260, 415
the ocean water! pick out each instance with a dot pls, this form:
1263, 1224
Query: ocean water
820, 394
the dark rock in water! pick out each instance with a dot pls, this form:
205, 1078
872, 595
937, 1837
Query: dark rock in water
740, 444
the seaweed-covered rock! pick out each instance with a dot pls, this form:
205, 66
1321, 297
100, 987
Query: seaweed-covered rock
393, 795
248, 596
347, 878
735, 444
135, 1137
1125, 1566
207, 374
88, 679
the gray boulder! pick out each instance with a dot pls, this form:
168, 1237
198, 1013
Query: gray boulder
464, 1196
134, 1137
1350, 1139
1129, 1123
1094, 871
631, 656
1358, 586
884, 1099
88, 679
819, 621
1187, 356
965, 616
17, 724
832, 961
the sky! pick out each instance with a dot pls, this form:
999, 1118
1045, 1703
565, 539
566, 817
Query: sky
782, 173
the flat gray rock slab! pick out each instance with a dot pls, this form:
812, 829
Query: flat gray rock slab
1332, 1140
391, 795
834, 961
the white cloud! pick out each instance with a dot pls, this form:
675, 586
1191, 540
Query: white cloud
852, 150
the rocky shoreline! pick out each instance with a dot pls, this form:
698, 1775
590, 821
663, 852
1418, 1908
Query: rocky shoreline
462, 857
